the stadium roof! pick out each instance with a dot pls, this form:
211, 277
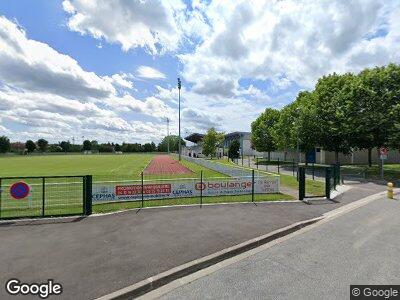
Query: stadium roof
195, 137
237, 133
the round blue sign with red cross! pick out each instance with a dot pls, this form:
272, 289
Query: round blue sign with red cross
19, 190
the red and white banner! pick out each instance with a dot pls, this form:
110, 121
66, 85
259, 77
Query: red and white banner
185, 188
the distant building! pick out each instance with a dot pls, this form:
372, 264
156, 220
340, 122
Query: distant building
244, 139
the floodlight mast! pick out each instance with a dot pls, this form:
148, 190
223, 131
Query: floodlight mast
168, 135
179, 120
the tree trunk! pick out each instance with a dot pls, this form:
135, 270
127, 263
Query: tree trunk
337, 157
369, 157
269, 156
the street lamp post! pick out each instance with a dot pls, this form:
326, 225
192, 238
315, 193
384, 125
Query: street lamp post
179, 120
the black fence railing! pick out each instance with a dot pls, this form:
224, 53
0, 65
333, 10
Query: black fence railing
45, 196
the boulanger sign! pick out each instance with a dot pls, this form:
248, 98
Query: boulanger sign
174, 189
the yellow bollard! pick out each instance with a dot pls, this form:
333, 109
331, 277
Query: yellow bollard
390, 190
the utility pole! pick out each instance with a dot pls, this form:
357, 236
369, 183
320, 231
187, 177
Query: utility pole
179, 108
168, 135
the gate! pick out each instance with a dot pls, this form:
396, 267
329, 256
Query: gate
332, 179
45, 196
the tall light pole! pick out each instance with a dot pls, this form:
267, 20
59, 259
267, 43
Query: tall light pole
168, 134
179, 108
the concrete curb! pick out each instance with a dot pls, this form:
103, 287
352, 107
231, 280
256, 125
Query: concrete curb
152, 283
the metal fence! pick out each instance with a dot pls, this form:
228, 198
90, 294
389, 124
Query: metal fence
44, 196
111, 195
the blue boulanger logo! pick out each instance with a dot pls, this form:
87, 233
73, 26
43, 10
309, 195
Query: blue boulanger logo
43, 290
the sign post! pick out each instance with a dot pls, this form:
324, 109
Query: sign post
383, 155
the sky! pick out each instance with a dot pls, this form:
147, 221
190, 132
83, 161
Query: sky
107, 70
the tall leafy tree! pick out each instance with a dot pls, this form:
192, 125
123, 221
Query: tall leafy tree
233, 150
173, 141
263, 131
42, 145
5, 144
331, 113
65, 146
211, 141
87, 145
30, 146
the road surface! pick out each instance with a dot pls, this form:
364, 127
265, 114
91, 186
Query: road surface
360, 247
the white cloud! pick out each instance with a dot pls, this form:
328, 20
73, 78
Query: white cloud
290, 42
44, 93
148, 24
149, 72
32, 65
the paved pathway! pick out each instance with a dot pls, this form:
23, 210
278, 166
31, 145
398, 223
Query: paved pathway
361, 247
98, 255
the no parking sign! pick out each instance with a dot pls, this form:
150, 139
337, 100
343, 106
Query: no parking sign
19, 190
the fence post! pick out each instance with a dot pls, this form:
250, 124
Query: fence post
0, 196
201, 188
43, 194
328, 183
278, 166
142, 189
302, 183
88, 182
242, 159
257, 162
248, 161
293, 166
252, 185
313, 171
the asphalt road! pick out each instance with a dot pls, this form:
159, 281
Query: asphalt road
360, 247
99, 255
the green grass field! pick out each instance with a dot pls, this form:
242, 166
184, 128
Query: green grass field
64, 195
127, 166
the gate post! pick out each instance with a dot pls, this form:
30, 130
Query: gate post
252, 186
302, 183
88, 194
328, 174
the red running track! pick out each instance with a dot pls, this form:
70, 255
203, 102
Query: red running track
164, 164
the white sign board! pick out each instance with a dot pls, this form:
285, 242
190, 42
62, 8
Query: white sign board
176, 189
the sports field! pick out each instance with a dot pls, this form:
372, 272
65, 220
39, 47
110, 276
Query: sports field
64, 195
126, 166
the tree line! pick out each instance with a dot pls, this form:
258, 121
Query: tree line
43, 146
341, 114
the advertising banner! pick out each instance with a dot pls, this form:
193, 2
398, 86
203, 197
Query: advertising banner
179, 189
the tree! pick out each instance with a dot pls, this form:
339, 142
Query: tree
117, 148
55, 148
263, 131
87, 145
234, 149
30, 146
108, 147
5, 144
173, 141
331, 113
42, 145
65, 146
149, 147
211, 141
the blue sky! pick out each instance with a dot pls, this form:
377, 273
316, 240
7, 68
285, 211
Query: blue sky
107, 70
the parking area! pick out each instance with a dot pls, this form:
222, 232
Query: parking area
97, 255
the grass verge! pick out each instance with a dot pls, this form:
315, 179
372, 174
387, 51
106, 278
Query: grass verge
110, 207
